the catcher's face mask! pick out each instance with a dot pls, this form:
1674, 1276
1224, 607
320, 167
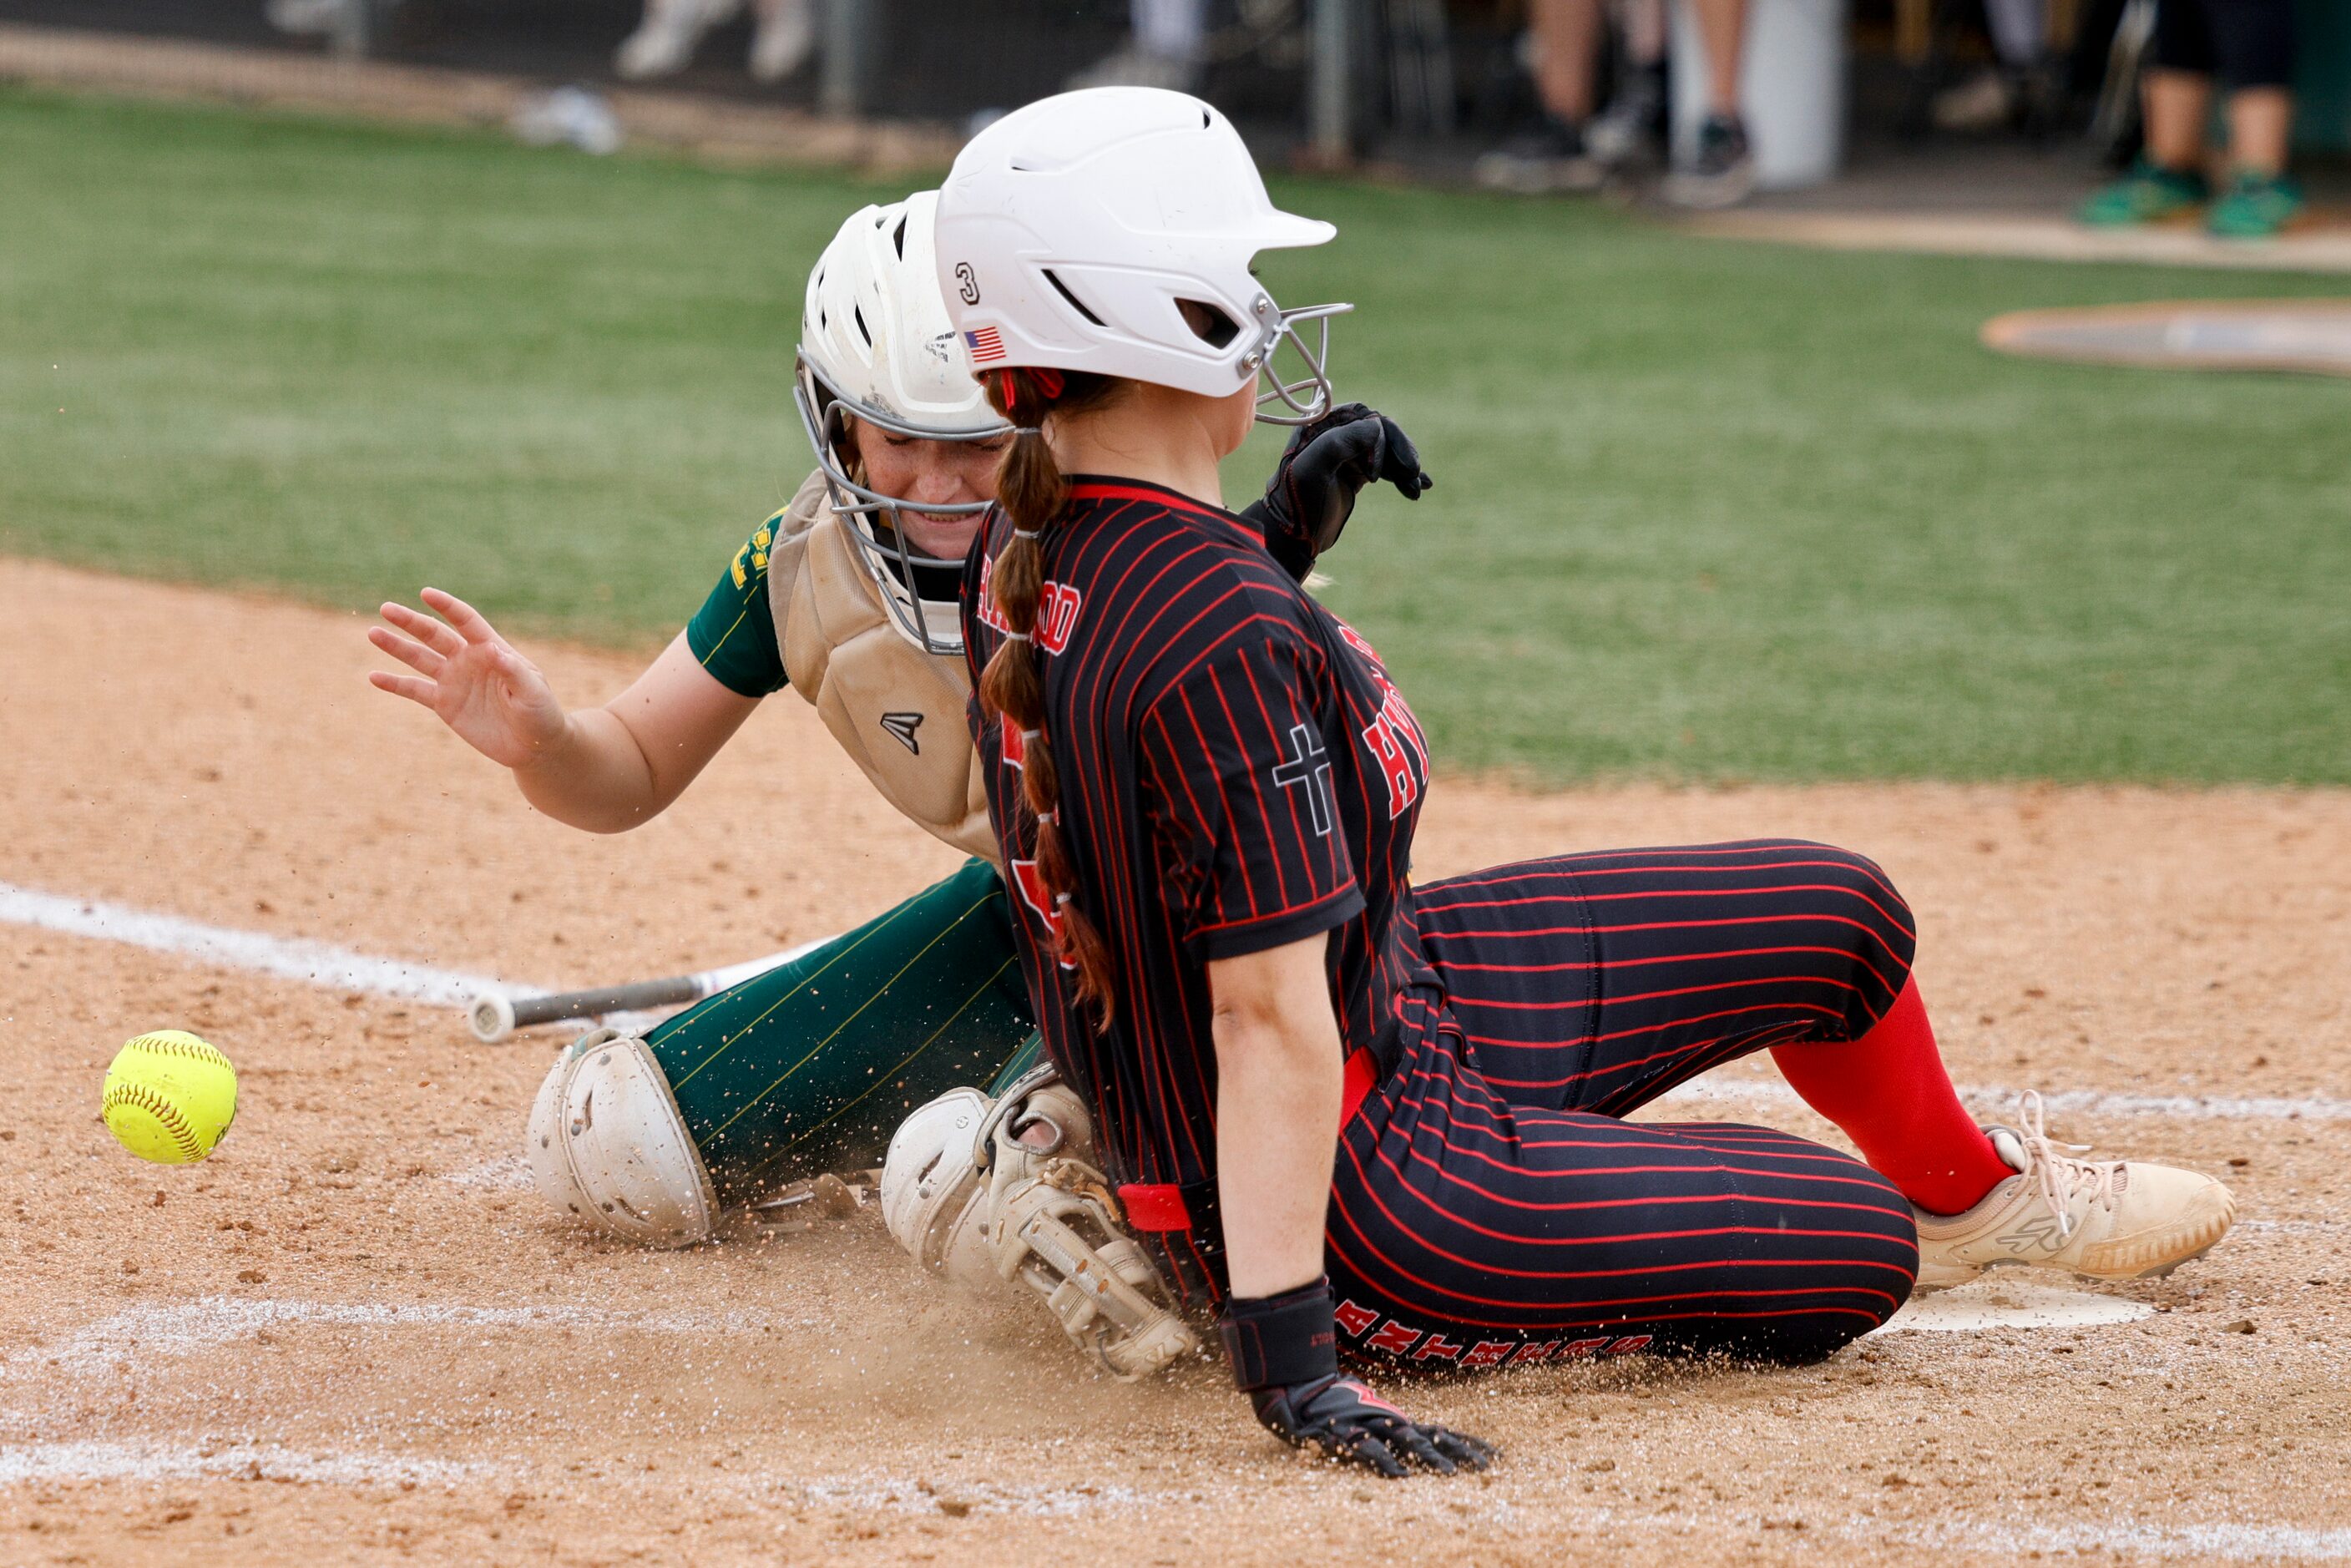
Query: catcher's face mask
918, 589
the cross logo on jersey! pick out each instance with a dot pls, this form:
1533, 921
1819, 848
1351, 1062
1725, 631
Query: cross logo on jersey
1311, 765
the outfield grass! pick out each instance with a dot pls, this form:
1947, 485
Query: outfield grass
1704, 509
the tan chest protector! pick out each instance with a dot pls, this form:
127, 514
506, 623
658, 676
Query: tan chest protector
896, 710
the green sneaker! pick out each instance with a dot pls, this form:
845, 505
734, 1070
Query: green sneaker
2256, 206
2149, 193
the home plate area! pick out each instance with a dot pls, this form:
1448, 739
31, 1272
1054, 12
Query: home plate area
356, 1334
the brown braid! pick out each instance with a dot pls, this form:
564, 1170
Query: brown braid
1032, 493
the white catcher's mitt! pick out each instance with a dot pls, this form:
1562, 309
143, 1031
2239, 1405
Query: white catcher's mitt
986, 1191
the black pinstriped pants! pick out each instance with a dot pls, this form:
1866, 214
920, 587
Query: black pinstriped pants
1490, 1207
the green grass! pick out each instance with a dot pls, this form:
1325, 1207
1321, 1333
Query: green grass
1704, 509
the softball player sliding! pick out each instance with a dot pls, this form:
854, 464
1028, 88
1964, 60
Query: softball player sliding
848, 595
1358, 1116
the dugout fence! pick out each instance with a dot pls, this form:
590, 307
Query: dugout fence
1333, 78
1427, 83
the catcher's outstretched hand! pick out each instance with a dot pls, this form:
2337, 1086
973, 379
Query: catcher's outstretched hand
1325, 466
1342, 1416
495, 699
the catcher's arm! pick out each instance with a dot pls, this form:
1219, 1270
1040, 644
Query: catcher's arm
1278, 1097
603, 768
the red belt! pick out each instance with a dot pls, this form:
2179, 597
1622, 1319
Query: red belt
1160, 1206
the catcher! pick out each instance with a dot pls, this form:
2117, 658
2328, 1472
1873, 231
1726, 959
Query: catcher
848, 596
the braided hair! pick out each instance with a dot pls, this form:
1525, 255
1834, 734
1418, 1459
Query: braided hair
1032, 493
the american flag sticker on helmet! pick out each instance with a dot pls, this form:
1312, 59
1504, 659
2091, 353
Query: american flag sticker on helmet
986, 345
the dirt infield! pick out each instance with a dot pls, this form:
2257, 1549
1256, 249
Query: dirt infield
354, 1334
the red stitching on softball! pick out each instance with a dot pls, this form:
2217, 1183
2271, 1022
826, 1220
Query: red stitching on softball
139, 1097
197, 1049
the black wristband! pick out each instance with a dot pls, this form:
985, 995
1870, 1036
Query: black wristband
1275, 1341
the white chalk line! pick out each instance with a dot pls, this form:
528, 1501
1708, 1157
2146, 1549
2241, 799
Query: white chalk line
24, 1464
2077, 1102
2224, 1542
182, 1328
340, 968
904, 1495
149, 1459
50, 1462
286, 957
2295, 1227
2205, 1542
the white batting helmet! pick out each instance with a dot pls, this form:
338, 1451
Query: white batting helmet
1071, 233
876, 343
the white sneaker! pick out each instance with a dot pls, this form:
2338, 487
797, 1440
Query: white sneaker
1982, 102
664, 41
786, 37
2105, 1220
304, 18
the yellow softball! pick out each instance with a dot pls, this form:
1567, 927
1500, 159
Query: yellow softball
169, 1097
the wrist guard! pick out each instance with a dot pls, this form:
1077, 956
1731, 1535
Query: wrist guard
1276, 1341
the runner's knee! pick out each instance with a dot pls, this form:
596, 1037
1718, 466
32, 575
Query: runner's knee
1869, 927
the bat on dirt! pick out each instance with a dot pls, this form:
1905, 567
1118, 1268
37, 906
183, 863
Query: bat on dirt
497, 1014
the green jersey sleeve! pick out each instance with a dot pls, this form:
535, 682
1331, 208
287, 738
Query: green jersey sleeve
734, 632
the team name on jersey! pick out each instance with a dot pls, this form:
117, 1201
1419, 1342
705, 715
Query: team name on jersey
1033, 895
1396, 1339
1393, 736
1046, 910
1057, 611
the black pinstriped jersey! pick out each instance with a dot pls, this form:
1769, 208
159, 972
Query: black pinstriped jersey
1237, 772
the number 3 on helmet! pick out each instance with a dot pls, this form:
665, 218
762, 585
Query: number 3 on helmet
1073, 233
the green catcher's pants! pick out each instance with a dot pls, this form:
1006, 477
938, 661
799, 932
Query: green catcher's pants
811, 1066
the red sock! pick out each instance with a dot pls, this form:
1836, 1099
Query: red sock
1889, 1093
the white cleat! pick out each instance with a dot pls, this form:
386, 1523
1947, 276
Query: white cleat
785, 38
664, 41
304, 18
2102, 1220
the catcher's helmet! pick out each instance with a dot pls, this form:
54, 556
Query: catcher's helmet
876, 344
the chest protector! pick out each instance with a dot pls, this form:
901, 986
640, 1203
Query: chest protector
896, 710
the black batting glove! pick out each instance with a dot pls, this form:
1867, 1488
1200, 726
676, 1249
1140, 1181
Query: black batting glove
1347, 1421
1327, 464
1285, 1355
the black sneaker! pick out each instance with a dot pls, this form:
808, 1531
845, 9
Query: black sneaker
1723, 173
1634, 124
1546, 160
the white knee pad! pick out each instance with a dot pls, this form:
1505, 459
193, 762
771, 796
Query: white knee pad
606, 1144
